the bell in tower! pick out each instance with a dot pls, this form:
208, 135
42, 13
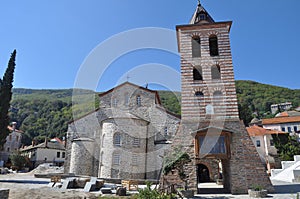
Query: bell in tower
211, 133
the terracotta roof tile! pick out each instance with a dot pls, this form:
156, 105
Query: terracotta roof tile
279, 120
259, 131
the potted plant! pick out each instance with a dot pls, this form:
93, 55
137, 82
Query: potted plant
257, 191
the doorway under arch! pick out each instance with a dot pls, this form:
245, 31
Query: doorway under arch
203, 173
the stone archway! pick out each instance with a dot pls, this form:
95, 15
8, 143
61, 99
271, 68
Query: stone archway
203, 174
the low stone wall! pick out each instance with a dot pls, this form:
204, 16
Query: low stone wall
4, 193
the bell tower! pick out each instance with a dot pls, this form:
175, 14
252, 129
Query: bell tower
211, 132
208, 88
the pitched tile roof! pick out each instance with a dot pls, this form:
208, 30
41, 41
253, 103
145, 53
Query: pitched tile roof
259, 131
48, 145
281, 120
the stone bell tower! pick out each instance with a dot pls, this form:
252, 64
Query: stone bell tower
211, 131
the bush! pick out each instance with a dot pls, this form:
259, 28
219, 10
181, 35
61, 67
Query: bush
18, 161
149, 193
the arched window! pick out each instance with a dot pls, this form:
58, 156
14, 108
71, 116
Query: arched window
138, 100
197, 73
196, 46
216, 72
199, 94
213, 45
117, 139
218, 94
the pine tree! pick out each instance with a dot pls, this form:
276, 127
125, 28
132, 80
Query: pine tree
5, 97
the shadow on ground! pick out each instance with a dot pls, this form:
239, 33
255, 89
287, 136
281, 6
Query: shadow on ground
283, 189
25, 181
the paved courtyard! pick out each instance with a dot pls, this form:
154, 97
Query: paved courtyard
25, 186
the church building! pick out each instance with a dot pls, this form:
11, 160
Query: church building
125, 138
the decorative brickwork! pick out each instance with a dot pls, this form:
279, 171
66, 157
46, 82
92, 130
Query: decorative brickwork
226, 149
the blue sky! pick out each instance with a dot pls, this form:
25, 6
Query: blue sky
54, 38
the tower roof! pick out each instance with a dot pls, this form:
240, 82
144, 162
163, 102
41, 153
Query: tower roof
201, 16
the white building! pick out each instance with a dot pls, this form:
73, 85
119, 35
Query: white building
263, 141
289, 124
46, 152
281, 107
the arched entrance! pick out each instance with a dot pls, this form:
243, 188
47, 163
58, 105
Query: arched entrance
203, 173
210, 177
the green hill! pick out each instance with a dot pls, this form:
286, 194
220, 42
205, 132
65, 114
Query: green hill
259, 97
46, 112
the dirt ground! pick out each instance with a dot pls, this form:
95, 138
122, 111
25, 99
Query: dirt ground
26, 186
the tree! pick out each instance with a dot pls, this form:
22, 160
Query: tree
5, 97
245, 112
287, 146
18, 161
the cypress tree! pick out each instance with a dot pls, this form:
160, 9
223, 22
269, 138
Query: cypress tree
6, 85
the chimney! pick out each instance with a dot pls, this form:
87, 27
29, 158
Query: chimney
46, 142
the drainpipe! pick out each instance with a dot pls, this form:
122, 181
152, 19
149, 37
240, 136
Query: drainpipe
146, 152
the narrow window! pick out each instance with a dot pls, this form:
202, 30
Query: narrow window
117, 139
102, 142
138, 100
17, 138
197, 73
196, 47
295, 129
101, 157
58, 154
258, 143
7, 149
283, 129
10, 137
271, 142
116, 159
289, 129
134, 160
166, 131
63, 155
216, 72
126, 99
136, 142
115, 102
213, 45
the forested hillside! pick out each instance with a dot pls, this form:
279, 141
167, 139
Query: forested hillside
41, 113
259, 97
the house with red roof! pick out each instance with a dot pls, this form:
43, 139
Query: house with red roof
288, 122
263, 141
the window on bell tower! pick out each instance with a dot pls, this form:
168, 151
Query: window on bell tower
197, 73
196, 46
216, 72
213, 45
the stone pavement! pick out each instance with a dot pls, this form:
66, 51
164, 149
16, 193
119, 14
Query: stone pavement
283, 190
